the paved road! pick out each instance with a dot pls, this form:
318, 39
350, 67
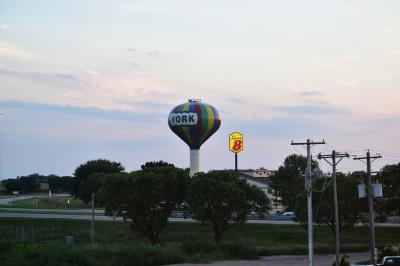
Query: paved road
107, 218
320, 260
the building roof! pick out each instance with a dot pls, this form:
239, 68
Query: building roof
263, 180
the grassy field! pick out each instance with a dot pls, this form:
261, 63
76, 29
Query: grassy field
59, 211
266, 239
57, 202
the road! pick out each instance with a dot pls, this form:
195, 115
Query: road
320, 260
107, 218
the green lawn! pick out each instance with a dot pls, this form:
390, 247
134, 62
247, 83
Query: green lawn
268, 239
60, 211
56, 202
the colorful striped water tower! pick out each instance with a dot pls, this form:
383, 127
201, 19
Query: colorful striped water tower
194, 122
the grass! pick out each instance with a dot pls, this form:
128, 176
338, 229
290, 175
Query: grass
12, 253
50, 212
45, 203
196, 238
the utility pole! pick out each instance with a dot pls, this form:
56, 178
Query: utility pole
334, 163
92, 221
369, 159
308, 187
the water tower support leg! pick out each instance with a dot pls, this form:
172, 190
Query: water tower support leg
194, 162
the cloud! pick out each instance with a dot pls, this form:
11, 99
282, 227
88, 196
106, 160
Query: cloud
395, 52
10, 50
90, 71
310, 93
39, 77
84, 111
310, 109
153, 53
3, 27
237, 101
279, 127
347, 82
303, 92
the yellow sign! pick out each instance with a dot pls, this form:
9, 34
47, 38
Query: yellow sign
235, 142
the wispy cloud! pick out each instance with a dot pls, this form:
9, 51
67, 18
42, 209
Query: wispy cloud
3, 27
395, 52
347, 82
303, 92
310, 109
38, 77
153, 53
84, 111
90, 71
10, 50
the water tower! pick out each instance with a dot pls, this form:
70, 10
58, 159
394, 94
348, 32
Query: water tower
194, 122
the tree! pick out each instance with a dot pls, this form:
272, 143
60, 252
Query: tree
288, 181
390, 178
351, 209
223, 199
60, 184
23, 184
155, 164
146, 198
81, 187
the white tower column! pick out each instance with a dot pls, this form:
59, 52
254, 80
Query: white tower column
194, 162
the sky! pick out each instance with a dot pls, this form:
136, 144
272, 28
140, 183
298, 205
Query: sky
81, 80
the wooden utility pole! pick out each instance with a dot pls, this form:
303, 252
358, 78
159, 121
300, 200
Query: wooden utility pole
308, 187
92, 221
334, 163
369, 159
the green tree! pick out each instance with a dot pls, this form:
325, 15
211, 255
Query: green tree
155, 164
60, 184
23, 184
390, 178
146, 198
81, 185
223, 199
288, 181
351, 209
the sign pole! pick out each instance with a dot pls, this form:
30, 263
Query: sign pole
236, 162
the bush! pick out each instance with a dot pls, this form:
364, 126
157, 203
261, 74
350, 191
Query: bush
13, 253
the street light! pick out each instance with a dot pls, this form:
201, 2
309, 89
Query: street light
1, 115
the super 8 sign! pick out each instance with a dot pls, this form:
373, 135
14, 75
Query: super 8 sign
235, 142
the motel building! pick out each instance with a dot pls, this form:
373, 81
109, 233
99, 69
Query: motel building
261, 178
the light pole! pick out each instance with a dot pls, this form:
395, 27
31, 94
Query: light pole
1, 116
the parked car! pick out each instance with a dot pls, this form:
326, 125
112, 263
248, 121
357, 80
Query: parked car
288, 214
386, 261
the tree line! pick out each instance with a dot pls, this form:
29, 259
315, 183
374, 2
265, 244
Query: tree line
288, 184
31, 183
147, 197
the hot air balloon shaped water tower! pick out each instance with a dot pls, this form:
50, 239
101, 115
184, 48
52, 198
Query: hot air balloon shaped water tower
194, 122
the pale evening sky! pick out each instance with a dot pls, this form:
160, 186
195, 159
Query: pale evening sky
81, 80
